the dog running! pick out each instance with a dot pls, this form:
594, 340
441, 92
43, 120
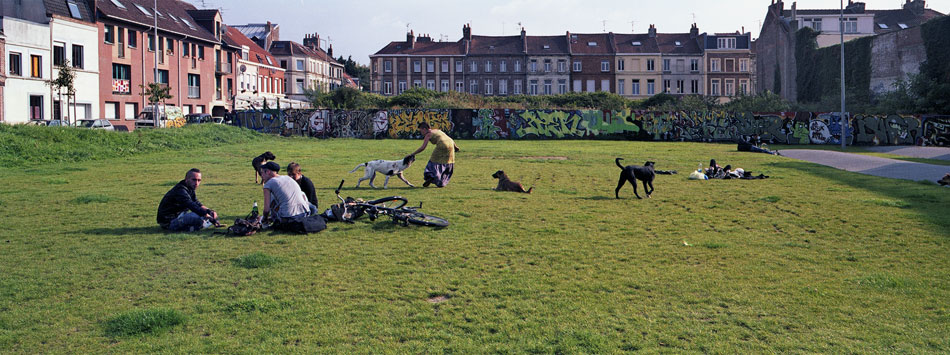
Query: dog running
505, 184
644, 173
385, 167
258, 161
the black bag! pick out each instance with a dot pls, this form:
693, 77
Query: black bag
245, 227
302, 225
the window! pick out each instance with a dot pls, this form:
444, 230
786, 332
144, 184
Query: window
162, 77
387, 66
416, 84
459, 86
548, 87
666, 86
488, 87
300, 85
402, 87
170, 44
679, 86
814, 23
517, 66
577, 66
445, 66
59, 54
714, 88
882, 26
714, 65
201, 52
36, 66
73, 10
562, 86
517, 87
533, 66
430, 84
651, 65
743, 87
605, 66
651, 87
151, 42
620, 65
417, 66
473, 87
143, 10
729, 87
743, 65
488, 66
120, 40
621, 87
458, 66
666, 65
561, 66
130, 110
117, 3
635, 90
577, 86
503, 66
133, 39
16, 64
36, 107
388, 88
547, 65
726, 43
694, 87
605, 85
851, 25
121, 79
300, 64
445, 83
194, 86
502, 87
694, 65
474, 68
590, 86
109, 35
533, 87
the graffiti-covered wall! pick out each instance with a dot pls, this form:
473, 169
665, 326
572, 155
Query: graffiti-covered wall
710, 126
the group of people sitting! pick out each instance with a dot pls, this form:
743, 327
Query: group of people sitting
285, 197
714, 171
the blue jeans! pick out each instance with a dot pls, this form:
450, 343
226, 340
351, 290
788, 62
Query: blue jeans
188, 222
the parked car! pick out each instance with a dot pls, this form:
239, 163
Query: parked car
57, 123
38, 123
96, 124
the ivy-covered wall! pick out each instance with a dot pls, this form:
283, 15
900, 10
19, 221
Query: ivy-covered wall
819, 69
933, 85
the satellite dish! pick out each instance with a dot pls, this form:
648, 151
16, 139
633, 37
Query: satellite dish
243, 68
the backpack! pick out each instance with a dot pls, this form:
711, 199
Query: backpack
302, 224
245, 227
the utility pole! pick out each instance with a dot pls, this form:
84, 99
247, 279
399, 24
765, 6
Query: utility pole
844, 122
155, 113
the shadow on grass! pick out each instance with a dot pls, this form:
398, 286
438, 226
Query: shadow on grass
125, 230
598, 198
925, 198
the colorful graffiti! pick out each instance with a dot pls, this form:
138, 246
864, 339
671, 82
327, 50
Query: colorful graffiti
710, 126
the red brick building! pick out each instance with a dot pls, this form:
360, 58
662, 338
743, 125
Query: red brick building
592, 57
188, 55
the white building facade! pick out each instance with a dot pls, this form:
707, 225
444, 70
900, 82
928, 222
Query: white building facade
27, 96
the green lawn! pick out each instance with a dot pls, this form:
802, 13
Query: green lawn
811, 260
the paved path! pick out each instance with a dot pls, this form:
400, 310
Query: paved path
940, 153
865, 164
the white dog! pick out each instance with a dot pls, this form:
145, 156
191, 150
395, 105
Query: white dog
385, 167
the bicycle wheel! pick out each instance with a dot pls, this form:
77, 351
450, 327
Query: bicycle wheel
389, 202
423, 219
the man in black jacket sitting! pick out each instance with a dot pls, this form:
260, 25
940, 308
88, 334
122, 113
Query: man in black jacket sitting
180, 210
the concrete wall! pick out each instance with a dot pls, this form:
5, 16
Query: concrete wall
895, 56
27, 39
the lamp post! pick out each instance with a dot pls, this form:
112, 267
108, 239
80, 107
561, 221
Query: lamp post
155, 112
844, 122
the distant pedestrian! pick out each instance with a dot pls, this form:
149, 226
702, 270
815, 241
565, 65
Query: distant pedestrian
442, 162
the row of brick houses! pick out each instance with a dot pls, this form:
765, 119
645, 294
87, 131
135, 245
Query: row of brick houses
112, 47
632, 65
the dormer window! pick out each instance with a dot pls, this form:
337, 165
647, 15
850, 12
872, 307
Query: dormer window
726, 43
74, 10
637, 43
119, 4
592, 44
144, 11
902, 25
882, 26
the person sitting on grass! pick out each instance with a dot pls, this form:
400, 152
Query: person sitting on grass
442, 162
282, 195
180, 210
293, 170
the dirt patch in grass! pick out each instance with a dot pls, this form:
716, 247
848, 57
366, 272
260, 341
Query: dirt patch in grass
439, 298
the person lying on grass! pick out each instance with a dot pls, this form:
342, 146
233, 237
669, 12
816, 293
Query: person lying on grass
753, 144
180, 210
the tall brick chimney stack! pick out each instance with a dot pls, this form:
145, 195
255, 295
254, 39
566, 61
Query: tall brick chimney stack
652, 31
411, 39
694, 31
467, 32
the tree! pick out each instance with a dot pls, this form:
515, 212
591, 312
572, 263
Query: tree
65, 81
156, 92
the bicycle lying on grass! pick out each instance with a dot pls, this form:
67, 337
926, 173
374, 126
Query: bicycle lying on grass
350, 209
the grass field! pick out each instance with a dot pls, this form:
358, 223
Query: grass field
811, 260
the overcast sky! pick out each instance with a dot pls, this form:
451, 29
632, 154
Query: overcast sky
359, 28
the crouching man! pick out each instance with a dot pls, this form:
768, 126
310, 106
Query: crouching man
180, 210
283, 198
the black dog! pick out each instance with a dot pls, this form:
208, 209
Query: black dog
260, 160
633, 173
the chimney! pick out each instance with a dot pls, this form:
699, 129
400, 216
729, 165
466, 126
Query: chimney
915, 6
794, 11
467, 32
855, 7
652, 31
330, 51
411, 39
694, 31
311, 41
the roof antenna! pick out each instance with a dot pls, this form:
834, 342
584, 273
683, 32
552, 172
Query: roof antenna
633, 26
605, 25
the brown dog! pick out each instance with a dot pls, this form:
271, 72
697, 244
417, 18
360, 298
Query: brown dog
945, 181
505, 184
